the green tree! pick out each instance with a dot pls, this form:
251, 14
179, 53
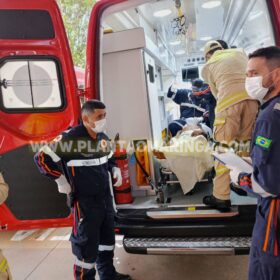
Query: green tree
76, 15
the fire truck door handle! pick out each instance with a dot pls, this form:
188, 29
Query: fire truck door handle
4, 83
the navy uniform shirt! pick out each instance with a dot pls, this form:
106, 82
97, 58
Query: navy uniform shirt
265, 180
266, 147
190, 106
84, 161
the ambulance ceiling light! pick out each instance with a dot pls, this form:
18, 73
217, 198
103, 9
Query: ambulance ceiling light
162, 13
180, 52
175, 43
205, 38
211, 4
255, 15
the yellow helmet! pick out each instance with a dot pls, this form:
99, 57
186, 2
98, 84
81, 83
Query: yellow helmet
210, 46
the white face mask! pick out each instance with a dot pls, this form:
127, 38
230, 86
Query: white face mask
100, 126
255, 88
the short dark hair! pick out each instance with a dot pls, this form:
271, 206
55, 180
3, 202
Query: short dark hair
271, 54
198, 83
223, 44
90, 105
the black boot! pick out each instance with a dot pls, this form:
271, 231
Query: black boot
191, 192
120, 276
211, 200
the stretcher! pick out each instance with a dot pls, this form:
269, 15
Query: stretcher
189, 158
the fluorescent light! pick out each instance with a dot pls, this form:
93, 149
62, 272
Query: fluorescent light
211, 4
175, 43
162, 13
180, 52
206, 38
255, 15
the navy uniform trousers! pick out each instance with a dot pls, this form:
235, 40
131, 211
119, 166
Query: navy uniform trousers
93, 238
264, 261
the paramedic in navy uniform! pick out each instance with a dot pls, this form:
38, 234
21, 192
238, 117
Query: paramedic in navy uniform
263, 84
83, 168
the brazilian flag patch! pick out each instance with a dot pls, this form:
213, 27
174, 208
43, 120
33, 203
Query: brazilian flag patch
263, 142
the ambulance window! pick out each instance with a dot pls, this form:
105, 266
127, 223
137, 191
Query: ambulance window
30, 85
257, 31
190, 74
26, 24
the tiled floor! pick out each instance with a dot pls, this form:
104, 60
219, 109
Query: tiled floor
47, 256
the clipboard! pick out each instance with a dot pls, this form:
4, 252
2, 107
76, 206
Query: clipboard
231, 160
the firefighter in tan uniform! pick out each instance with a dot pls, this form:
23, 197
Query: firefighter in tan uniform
235, 112
4, 268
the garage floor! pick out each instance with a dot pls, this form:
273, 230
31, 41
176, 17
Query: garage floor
46, 255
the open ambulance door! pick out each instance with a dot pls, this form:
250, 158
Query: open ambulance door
149, 237
38, 100
274, 7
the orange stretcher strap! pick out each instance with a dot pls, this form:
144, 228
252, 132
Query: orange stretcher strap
268, 227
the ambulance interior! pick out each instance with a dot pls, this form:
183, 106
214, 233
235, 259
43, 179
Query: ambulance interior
146, 49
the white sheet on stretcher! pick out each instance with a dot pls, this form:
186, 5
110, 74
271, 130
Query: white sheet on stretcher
188, 158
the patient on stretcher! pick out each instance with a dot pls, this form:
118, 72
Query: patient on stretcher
188, 155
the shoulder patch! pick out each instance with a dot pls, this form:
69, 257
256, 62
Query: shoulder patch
277, 106
263, 142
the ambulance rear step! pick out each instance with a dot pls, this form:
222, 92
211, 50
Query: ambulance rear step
188, 246
192, 213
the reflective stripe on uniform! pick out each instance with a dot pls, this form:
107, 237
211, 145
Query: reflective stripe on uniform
111, 154
88, 162
84, 264
219, 121
106, 247
221, 170
47, 150
193, 106
3, 265
231, 100
173, 95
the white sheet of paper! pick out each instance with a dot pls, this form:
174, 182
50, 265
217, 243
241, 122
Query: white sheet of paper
230, 160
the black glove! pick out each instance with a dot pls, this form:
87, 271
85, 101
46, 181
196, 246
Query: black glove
237, 190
